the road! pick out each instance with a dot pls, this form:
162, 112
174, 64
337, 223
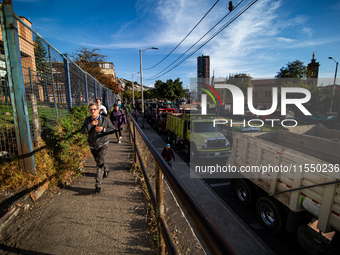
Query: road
282, 244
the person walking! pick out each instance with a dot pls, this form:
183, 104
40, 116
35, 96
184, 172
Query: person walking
119, 104
136, 114
167, 154
118, 120
102, 108
98, 128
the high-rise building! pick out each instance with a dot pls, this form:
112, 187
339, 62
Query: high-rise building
203, 69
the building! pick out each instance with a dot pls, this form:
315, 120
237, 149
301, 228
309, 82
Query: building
313, 68
108, 69
203, 70
262, 88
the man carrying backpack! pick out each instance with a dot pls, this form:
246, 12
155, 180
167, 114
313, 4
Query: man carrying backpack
118, 120
167, 154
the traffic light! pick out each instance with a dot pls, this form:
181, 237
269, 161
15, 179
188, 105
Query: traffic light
231, 7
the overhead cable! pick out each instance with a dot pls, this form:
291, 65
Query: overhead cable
183, 38
203, 44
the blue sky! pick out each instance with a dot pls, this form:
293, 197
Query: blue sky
266, 37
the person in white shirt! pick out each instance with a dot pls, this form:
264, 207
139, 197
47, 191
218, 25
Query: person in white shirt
102, 108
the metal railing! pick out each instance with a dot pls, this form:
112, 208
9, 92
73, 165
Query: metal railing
38, 85
152, 164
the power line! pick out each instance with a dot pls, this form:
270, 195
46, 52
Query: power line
194, 43
183, 38
203, 44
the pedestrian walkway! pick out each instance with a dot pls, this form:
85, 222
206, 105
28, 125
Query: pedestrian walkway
76, 221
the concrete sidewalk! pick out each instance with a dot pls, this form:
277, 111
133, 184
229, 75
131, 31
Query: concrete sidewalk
75, 221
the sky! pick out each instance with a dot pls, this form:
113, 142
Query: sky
264, 38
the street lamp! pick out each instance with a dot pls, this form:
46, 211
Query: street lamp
133, 92
141, 80
336, 70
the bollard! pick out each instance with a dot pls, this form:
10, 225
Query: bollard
159, 208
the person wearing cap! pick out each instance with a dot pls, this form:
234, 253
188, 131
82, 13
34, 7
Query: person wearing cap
167, 154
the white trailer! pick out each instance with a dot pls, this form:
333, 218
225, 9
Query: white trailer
293, 178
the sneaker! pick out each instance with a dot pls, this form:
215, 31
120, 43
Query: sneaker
97, 190
120, 138
106, 173
119, 141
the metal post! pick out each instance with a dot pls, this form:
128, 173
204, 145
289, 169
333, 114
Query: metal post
68, 82
133, 93
159, 209
86, 90
95, 91
141, 84
336, 70
52, 80
134, 142
17, 87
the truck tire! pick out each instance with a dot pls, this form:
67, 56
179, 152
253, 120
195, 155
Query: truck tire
271, 214
313, 245
245, 193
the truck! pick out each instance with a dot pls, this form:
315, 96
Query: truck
300, 192
197, 136
161, 118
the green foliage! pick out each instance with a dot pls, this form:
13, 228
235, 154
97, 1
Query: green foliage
150, 94
42, 65
241, 80
66, 142
295, 69
170, 89
58, 156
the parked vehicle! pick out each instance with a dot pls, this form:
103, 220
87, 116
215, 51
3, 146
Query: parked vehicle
161, 118
306, 198
197, 136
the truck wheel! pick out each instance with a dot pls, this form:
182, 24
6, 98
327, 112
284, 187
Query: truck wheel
314, 245
245, 193
271, 214
193, 152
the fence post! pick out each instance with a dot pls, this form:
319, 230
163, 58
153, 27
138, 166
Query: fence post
52, 80
134, 143
86, 89
17, 87
159, 208
95, 90
68, 82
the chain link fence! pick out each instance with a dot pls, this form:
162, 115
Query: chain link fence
52, 85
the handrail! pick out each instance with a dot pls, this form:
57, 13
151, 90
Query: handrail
210, 234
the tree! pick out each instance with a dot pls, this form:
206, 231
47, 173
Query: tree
295, 69
150, 94
89, 60
170, 89
42, 65
241, 80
